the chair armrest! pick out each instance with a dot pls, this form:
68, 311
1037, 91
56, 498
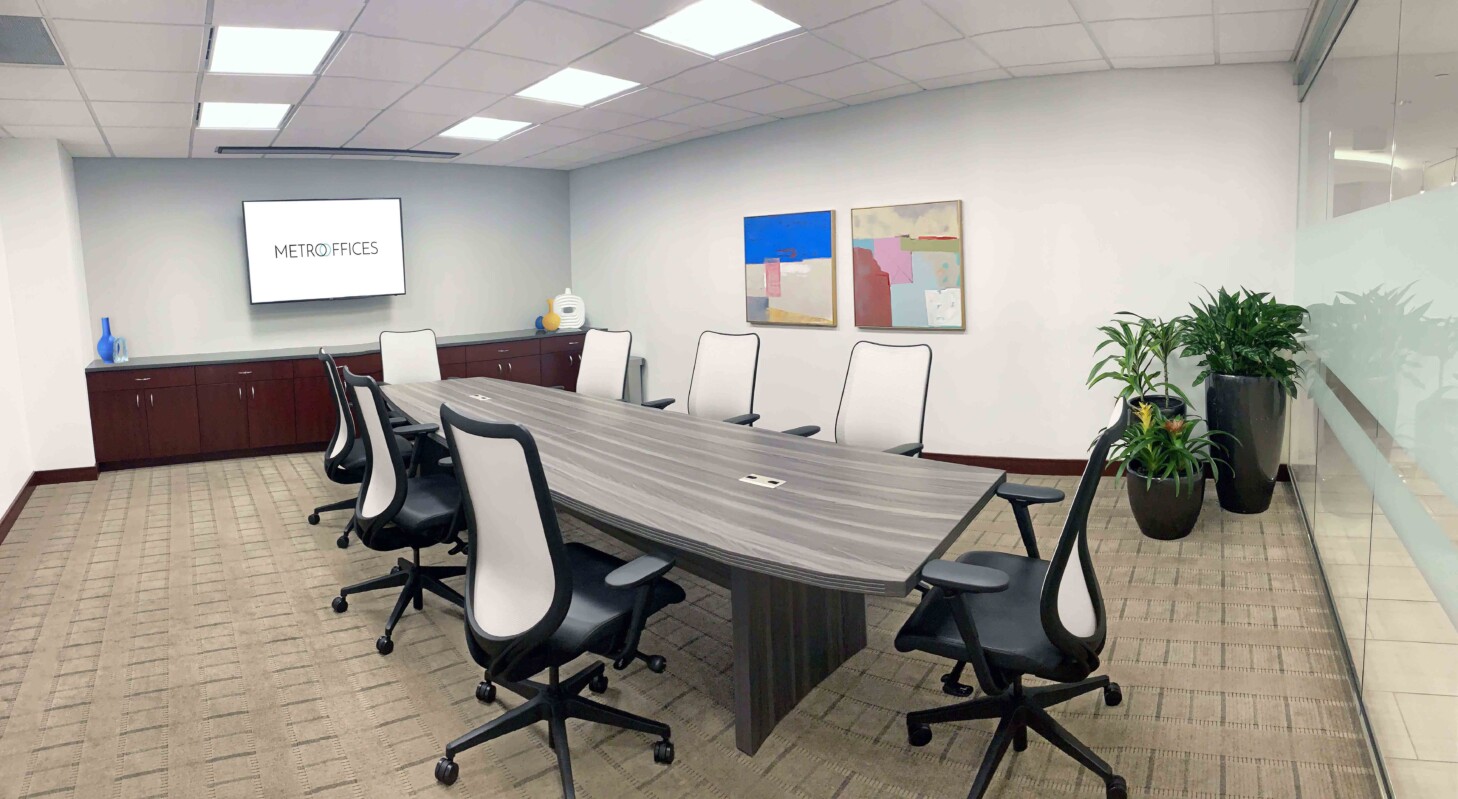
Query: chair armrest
396, 421
906, 449
559, 388
660, 404
446, 463
804, 432
416, 429
743, 418
641, 571
1031, 495
966, 578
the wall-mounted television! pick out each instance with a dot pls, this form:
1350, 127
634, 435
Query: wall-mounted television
323, 249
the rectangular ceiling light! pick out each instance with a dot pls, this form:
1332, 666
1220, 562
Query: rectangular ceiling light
714, 27
485, 128
270, 51
576, 87
242, 116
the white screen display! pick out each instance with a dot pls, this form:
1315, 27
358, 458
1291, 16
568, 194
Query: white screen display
323, 249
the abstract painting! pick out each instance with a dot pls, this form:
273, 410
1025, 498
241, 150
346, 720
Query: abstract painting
789, 269
907, 266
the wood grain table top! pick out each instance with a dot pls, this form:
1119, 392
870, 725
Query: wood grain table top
845, 518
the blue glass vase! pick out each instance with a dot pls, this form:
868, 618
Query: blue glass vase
105, 344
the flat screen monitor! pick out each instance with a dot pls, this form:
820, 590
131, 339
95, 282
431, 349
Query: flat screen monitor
323, 249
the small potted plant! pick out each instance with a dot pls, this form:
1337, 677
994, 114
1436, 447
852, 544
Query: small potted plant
1163, 464
1136, 343
1164, 338
1245, 342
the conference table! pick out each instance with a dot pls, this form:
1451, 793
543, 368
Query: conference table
798, 559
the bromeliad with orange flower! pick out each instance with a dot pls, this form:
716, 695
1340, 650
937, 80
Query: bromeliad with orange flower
1156, 448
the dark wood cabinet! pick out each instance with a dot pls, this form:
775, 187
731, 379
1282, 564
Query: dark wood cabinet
118, 425
314, 417
525, 369
560, 369
223, 417
172, 427
270, 413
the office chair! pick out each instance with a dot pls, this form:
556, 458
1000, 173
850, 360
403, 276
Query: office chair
883, 402
721, 385
604, 371
534, 603
398, 511
1012, 615
409, 357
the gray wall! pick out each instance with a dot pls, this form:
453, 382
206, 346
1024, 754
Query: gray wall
163, 242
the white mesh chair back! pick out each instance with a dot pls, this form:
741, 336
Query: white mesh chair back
604, 371
722, 385
344, 434
383, 489
409, 357
883, 404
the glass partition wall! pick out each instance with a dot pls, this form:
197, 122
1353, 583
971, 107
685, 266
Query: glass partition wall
1374, 439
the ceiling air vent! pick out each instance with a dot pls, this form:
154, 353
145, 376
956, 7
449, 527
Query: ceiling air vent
25, 40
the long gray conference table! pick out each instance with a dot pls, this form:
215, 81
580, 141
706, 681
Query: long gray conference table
798, 560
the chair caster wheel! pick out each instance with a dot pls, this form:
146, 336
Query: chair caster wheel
313, 518
395, 569
1113, 694
598, 684
485, 692
446, 771
342, 541
384, 645
918, 734
663, 752
1116, 789
340, 604
951, 687
657, 664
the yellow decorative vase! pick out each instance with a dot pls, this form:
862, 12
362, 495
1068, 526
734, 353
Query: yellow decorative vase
551, 321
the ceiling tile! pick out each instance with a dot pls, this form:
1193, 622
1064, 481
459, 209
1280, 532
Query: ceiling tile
1256, 57
903, 25
648, 103
712, 81
255, 88
708, 115
1150, 62
178, 12
1242, 6
37, 83
527, 143
157, 87
881, 94
655, 130
980, 76
939, 60
1064, 68
323, 126
489, 72
387, 59
1058, 44
44, 112
394, 128
79, 150
630, 13
815, 13
601, 143
1155, 37
795, 57
546, 161
206, 142
85, 136
596, 119
329, 15
451, 144
773, 99
452, 22
441, 100
1095, 10
19, 8
149, 142
639, 58
846, 81
984, 16
524, 110
544, 33
120, 45
1265, 32
144, 115
762, 120
355, 92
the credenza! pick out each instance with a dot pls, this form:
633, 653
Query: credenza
176, 408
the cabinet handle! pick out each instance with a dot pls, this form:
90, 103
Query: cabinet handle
503, 350
508, 366
139, 400
240, 393
152, 400
249, 372
253, 392
498, 368
142, 379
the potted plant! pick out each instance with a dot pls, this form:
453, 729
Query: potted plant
1163, 464
1245, 342
1163, 337
1136, 343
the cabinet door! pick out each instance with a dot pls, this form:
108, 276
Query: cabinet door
271, 413
172, 421
560, 369
118, 425
525, 369
314, 417
222, 411
450, 370
496, 369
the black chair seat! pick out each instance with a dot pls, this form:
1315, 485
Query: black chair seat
430, 502
1008, 623
351, 469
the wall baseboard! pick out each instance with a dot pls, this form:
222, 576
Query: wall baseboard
13, 512
1049, 467
140, 463
45, 477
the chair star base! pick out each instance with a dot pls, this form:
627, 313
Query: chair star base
414, 580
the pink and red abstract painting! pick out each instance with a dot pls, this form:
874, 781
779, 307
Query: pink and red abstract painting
907, 266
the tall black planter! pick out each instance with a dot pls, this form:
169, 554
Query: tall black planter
1252, 410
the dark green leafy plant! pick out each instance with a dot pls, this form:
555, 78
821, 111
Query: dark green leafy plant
1245, 334
1164, 337
1154, 447
1128, 364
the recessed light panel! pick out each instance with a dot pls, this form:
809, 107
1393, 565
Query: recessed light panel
576, 87
713, 27
242, 116
270, 51
485, 128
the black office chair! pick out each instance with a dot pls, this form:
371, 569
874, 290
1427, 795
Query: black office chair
1012, 615
398, 511
534, 603
883, 401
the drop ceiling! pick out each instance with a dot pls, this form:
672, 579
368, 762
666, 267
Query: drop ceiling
406, 70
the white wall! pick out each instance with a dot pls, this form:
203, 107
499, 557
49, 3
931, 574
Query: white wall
16, 466
484, 249
1082, 195
47, 286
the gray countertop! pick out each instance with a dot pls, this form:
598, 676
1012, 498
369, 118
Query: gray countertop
289, 353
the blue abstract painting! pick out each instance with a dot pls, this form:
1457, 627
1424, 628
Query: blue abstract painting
789, 269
